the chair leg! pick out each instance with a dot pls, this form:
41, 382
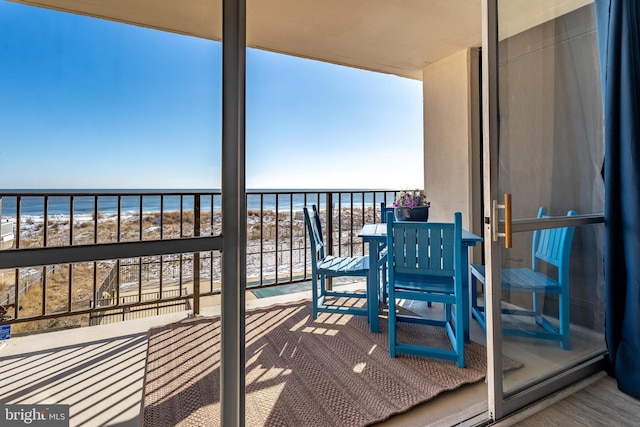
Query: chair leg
384, 284
476, 311
314, 296
564, 319
460, 336
323, 286
535, 305
392, 324
474, 293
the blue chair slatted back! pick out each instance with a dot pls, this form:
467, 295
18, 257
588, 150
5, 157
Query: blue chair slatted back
315, 233
383, 212
425, 264
553, 246
425, 248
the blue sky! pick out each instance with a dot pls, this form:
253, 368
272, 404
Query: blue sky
88, 103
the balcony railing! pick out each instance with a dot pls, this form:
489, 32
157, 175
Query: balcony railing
66, 286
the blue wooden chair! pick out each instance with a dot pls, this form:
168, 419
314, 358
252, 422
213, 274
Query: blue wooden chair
383, 255
383, 212
425, 264
324, 266
384, 285
548, 246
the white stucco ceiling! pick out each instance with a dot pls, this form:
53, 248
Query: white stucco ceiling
392, 36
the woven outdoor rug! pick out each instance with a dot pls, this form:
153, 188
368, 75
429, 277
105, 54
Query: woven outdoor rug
299, 372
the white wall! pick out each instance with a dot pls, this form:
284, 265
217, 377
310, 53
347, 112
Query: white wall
451, 139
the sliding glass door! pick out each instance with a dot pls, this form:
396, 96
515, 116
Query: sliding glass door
543, 147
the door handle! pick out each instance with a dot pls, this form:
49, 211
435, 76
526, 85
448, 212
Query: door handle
507, 221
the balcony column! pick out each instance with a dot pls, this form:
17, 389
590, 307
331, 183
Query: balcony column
234, 214
452, 171
452, 142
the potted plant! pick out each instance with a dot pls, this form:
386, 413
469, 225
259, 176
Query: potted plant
411, 206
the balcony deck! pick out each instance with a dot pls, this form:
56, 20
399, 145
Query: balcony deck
99, 371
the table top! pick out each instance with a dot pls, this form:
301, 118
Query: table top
379, 232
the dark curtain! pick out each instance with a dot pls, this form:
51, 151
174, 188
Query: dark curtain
618, 39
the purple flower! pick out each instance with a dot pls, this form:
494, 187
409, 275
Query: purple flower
411, 199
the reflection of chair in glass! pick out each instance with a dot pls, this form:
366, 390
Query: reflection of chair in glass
324, 266
551, 247
425, 264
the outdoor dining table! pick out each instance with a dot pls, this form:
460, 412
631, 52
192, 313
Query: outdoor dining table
376, 236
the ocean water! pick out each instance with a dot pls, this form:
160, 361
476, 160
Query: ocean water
59, 202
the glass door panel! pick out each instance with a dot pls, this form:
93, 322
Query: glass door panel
549, 155
543, 358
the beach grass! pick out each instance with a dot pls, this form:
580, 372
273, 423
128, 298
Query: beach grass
276, 241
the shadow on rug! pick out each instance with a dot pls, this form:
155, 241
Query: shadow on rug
299, 372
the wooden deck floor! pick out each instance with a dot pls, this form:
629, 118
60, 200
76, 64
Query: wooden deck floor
598, 403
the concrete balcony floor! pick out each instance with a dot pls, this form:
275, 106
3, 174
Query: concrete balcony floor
99, 371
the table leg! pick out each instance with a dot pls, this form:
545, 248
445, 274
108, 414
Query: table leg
466, 291
372, 286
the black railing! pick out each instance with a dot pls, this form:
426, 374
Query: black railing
127, 313
277, 245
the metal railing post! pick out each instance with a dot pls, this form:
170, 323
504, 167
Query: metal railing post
196, 256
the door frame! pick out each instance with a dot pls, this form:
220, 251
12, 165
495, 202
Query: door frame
499, 403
